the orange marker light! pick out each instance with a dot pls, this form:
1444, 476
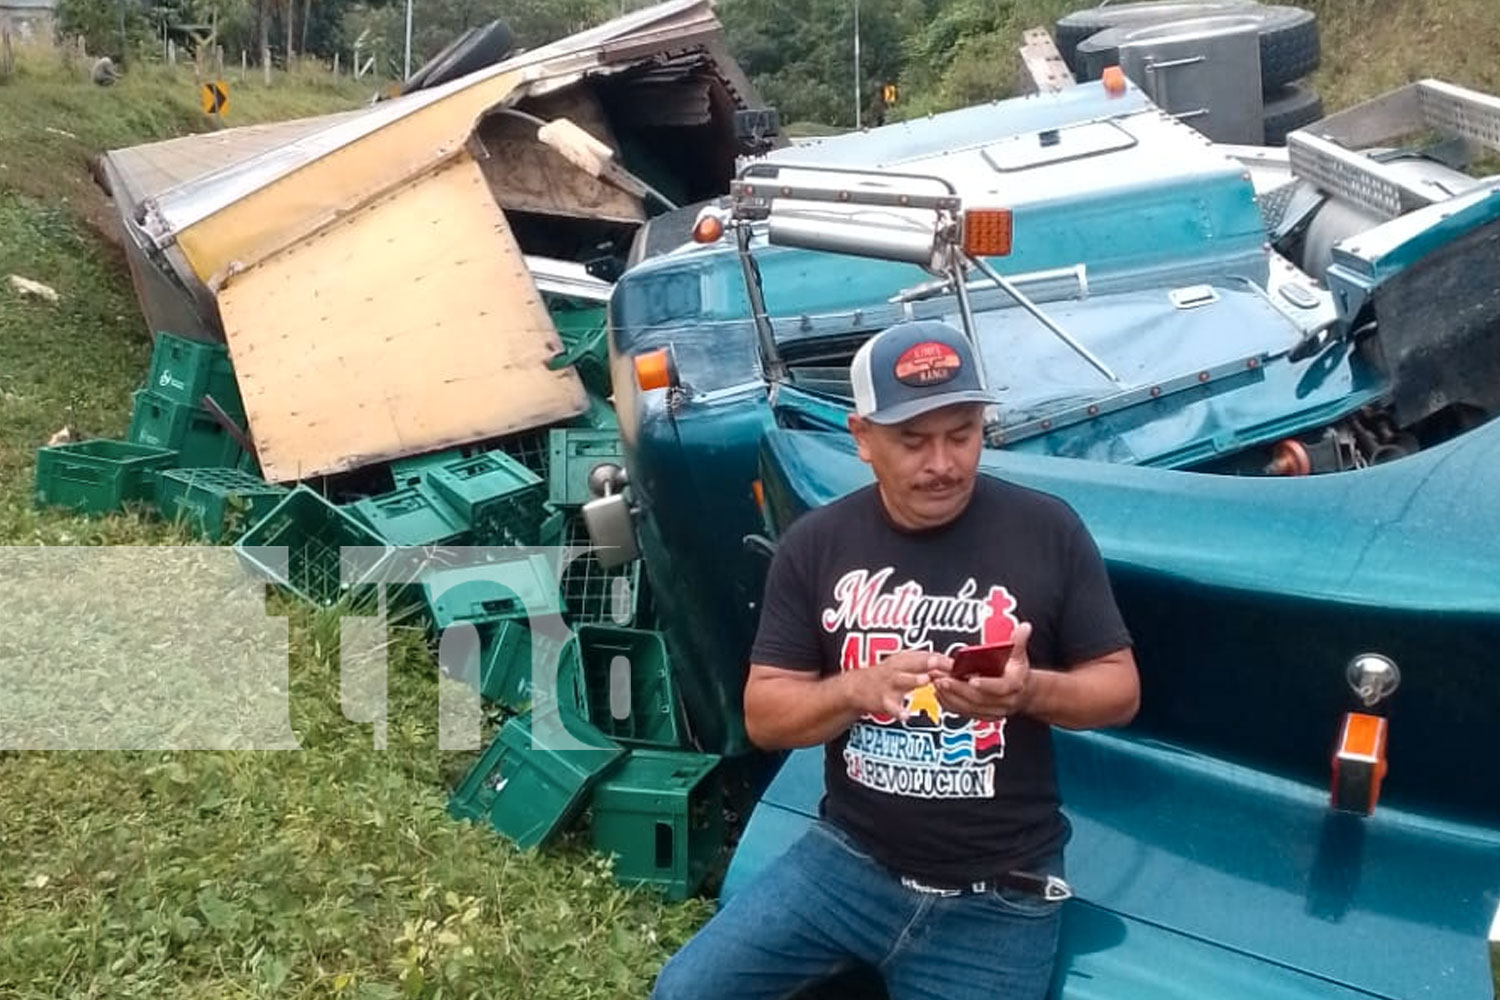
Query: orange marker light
1289, 458
653, 370
987, 232
759, 491
1359, 763
708, 229
1113, 78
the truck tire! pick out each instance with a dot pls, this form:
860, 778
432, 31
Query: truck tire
478, 49
1289, 44
419, 76
1073, 28
1289, 109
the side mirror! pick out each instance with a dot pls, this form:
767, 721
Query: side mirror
911, 219
754, 129
611, 529
609, 519
905, 235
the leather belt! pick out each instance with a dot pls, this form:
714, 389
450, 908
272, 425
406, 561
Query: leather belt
1048, 887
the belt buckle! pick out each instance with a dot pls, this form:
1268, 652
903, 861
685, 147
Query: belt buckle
931, 890
1052, 888
1056, 890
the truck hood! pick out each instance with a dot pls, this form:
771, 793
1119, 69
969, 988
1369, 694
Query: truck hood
1181, 894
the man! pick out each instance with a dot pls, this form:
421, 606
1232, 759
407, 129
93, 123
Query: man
938, 856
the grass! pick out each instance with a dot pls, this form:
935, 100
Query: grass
1371, 46
52, 121
329, 872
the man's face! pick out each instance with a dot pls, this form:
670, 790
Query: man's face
925, 466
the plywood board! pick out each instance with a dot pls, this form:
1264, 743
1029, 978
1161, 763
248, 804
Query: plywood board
527, 176
410, 325
285, 209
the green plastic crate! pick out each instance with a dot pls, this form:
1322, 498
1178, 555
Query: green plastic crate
501, 498
492, 592
600, 415
505, 666
314, 533
468, 484
527, 792
591, 593
413, 471
661, 816
412, 515
529, 448
632, 695
582, 327
578, 324
184, 371
515, 520
574, 453
554, 528
191, 430
215, 503
99, 475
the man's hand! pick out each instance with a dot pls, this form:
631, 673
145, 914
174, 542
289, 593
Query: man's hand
1103, 691
881, 688
799, 708
991, 697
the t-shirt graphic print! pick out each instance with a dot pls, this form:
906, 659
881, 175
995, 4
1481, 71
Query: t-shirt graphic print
939, 796
933, 753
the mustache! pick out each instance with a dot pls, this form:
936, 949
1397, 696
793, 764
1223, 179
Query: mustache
940, 483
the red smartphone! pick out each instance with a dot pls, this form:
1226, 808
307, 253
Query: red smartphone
986, 661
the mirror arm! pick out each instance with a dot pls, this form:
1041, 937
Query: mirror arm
1025, 303
770, 356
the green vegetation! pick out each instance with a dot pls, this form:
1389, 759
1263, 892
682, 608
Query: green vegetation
800, 53
947, 53
330, 872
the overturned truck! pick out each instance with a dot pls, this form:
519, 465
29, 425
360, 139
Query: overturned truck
1266, 380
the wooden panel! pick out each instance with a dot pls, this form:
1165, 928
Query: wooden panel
527, 176
409, 326
285, 209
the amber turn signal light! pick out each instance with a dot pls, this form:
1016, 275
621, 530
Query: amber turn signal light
1359, 763
987, 232
654, 370
708, 229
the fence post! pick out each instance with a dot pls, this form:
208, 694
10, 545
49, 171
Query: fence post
265, 62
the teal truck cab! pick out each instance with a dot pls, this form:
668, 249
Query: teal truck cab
1265, 378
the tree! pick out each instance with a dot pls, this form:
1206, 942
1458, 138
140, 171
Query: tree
801, 52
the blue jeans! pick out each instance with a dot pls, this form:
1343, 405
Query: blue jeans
824, 906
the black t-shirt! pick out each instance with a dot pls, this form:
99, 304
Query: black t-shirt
942, 798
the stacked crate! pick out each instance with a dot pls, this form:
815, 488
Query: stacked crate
170, 428
169, 410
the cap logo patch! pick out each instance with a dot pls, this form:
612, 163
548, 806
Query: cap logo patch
927, 363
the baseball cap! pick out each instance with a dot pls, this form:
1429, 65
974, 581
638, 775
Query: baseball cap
910, 368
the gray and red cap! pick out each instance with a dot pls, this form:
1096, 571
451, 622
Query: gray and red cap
913, 368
